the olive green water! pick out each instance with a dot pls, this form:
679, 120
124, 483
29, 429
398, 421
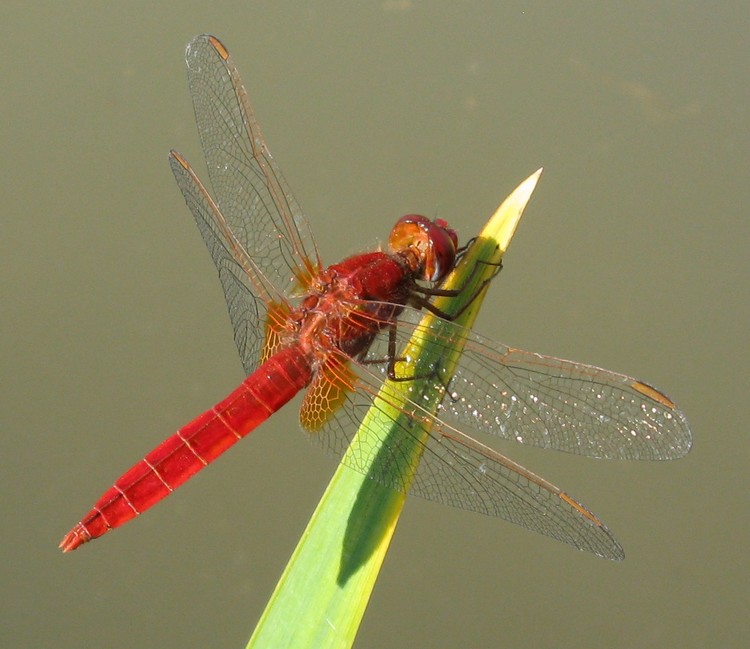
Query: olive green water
632, 255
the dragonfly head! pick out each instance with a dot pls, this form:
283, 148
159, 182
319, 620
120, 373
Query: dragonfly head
429, 246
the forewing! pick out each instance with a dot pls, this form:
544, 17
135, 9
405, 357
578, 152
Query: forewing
545, 401
248, 186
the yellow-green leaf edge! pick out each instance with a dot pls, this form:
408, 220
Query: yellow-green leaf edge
324, 590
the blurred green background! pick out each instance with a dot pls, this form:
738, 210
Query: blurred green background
632, 255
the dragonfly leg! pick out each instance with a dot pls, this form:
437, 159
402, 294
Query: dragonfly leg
392, 359
420, 294
462, 250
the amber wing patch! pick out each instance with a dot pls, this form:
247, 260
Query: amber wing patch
276, 319
326, 393
304, 275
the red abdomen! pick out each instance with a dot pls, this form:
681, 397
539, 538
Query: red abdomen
196, 445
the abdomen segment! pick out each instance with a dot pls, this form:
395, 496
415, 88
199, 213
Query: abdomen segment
195, 446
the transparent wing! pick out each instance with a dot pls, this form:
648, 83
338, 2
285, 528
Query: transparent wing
255, 231
248, 186
526, 397
545, 401
454, 469
246, 290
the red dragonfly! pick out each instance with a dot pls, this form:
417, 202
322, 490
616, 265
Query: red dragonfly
334, 331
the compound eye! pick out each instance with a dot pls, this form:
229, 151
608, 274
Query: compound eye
432, 245
451, 232
442, 255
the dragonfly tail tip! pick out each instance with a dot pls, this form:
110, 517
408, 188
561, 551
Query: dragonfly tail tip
75, 538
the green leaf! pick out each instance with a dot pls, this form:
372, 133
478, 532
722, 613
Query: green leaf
324, 590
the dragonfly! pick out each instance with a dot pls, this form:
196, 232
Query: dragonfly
334, 332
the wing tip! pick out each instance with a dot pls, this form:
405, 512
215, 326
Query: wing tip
218, 46
175, 155
652, 393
